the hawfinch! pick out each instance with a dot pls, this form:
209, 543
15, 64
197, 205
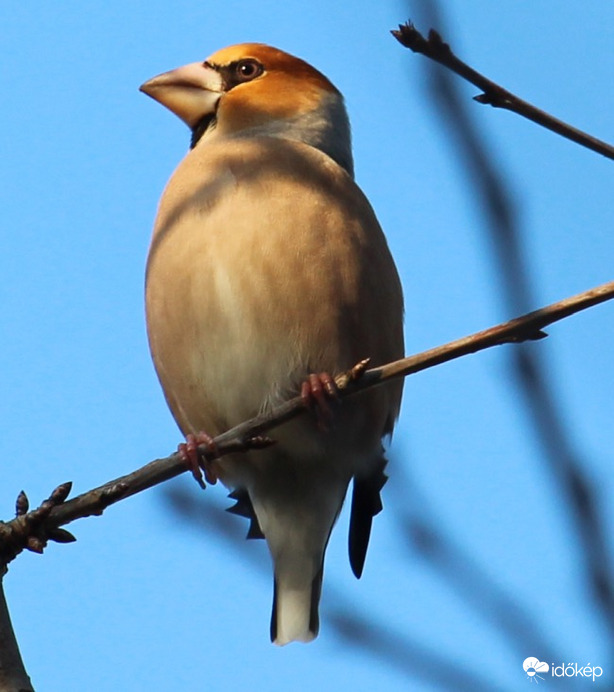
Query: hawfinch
268, 275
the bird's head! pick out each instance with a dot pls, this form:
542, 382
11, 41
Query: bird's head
253, 89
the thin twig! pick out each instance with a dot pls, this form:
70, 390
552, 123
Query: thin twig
435, 48
525, 328
14, 536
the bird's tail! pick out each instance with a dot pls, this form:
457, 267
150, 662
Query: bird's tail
297, 538
295, 608
296, 514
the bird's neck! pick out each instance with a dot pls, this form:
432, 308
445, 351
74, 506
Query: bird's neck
326, 128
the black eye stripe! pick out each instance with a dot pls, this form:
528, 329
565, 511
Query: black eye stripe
240, 72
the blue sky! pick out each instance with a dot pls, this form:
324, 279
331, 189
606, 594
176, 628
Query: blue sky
152, 598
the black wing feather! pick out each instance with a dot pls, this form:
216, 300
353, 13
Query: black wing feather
243, 507
366, 503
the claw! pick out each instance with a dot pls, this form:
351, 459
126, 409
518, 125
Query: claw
195, 460
317, 392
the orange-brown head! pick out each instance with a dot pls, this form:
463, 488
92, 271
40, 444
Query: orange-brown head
252, 89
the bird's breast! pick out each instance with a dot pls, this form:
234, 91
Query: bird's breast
266, 263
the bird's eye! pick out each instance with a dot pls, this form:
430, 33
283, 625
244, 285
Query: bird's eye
246, 70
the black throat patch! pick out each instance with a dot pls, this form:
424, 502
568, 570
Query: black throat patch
201, 127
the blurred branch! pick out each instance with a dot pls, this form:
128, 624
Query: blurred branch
408, 655
32, 529
461, 571
578, 493
436, 49
376, 638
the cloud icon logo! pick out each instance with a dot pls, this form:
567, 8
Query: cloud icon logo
533, 667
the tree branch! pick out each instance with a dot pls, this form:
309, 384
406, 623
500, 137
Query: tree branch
436, 49
13, 676
32, 530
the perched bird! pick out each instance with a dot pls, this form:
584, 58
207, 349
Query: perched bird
268, 275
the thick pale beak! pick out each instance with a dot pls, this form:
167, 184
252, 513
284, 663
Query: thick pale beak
191, 91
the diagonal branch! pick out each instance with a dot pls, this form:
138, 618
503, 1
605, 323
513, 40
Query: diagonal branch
32, 529
42, 524
435, 48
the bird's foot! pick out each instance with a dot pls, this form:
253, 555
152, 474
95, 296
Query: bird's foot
196, 461
317, 393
